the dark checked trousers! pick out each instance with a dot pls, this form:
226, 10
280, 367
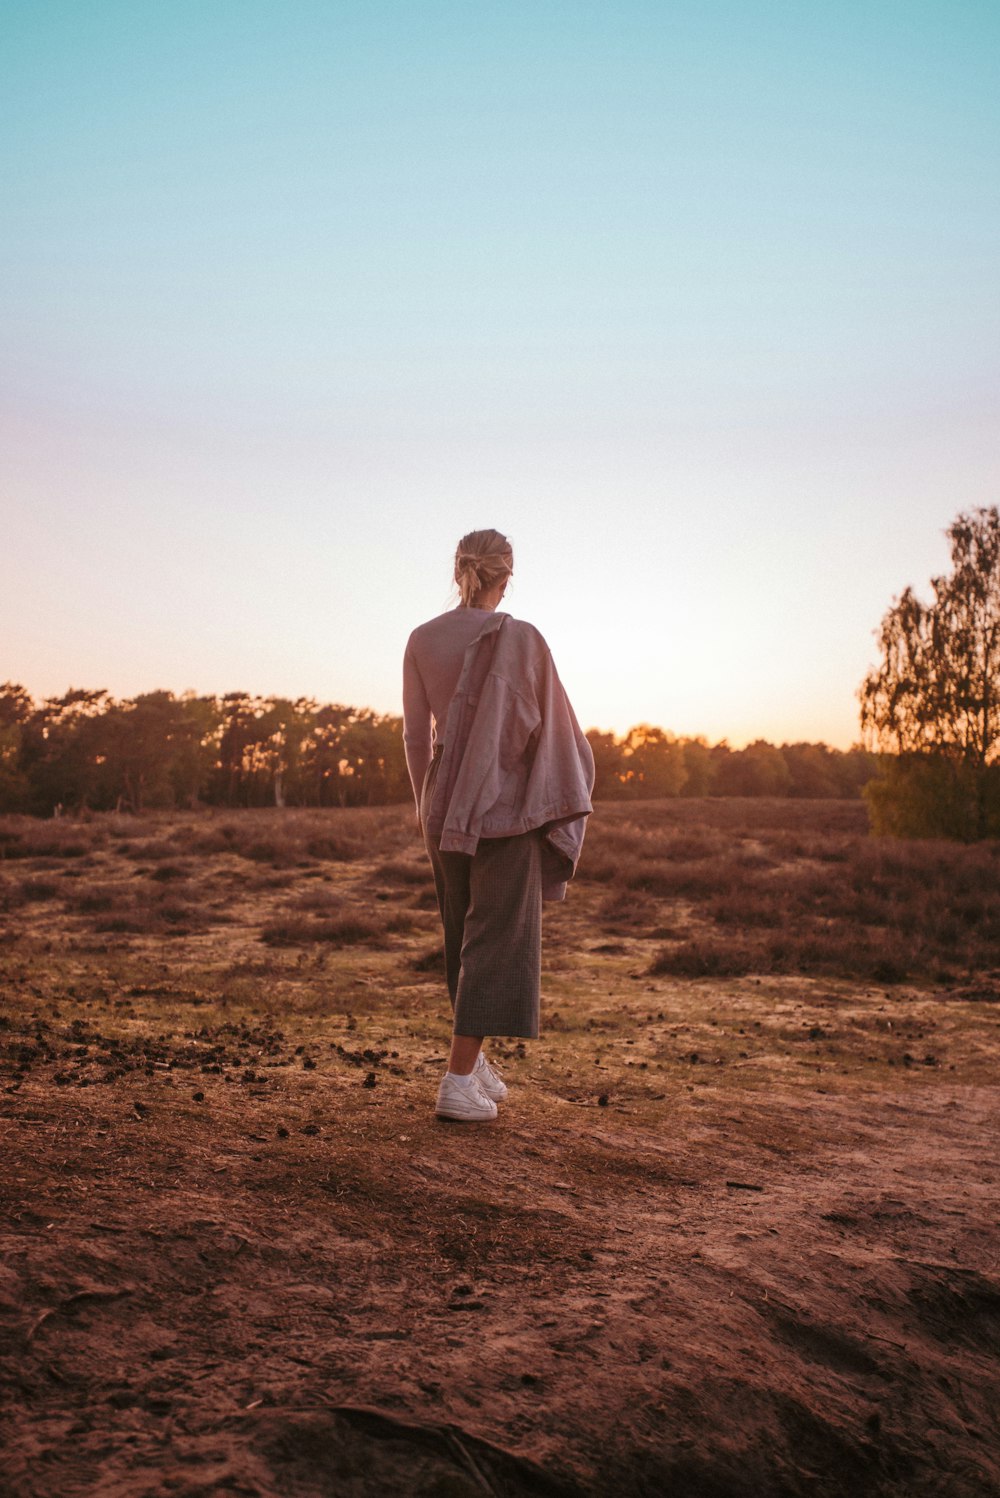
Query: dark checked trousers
491, 910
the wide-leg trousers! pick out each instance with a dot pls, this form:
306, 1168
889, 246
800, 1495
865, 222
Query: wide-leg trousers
491, 910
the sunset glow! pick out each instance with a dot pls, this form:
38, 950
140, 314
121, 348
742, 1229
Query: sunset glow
699, 306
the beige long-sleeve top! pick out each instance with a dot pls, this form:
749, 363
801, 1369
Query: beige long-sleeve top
432, 665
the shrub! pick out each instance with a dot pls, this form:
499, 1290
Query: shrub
832, 953
98, 897
279, 852
343, 932
215, 841
707, 876
694, 843
40, 889
398, 872
749, 906
166, 872
48, 840
627, 908
317, 902
709, 958
429, 962
11, 896
925, 795
334, 849
145, 849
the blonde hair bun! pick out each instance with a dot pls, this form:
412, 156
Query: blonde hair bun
482, 559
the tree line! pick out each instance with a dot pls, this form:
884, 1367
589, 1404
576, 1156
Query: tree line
88, 751
930, 718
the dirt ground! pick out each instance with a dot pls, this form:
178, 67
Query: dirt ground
729, 1236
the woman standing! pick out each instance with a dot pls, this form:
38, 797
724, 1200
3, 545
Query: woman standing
502, 776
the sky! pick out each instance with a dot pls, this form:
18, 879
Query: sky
698, 303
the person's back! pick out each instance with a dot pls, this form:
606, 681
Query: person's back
432, 666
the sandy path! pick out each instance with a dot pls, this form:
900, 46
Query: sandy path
598, 1300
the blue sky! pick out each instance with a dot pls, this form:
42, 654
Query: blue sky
699, 303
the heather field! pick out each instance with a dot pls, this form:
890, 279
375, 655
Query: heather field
734, 1233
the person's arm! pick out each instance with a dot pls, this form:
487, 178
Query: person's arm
416, 725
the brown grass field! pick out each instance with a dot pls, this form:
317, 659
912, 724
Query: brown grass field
735, 1232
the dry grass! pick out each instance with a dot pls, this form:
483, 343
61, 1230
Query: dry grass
338, 932
758, 895
397, 871
715, 888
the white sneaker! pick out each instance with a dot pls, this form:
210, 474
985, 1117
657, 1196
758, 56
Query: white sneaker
465, 1103
490, 1081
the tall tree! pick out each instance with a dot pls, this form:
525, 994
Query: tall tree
934, 699
607, 763
16, 709
653, 762
64, 750
699, 768
757, 770
155, 750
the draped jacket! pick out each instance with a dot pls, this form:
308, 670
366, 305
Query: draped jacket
514, 758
